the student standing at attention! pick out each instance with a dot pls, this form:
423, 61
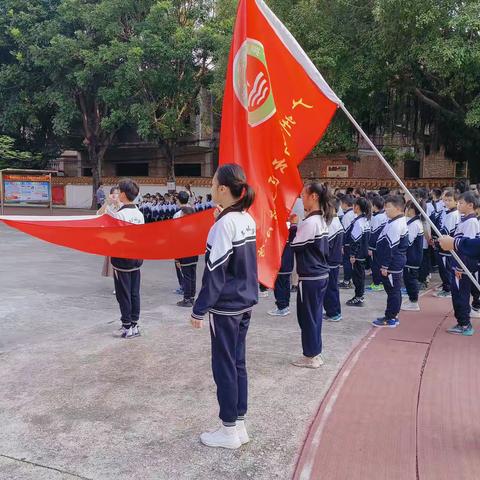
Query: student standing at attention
126, 272
461, 284
311, 249
414, 255
333, 309
229, 292
347, 222
359, 249
391, 253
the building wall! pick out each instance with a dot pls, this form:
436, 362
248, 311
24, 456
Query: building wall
367, 167
437, 165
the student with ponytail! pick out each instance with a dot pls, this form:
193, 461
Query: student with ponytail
229, 292
311, 248
359, 236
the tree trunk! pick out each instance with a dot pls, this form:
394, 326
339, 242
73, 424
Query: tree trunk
95, 158
168, 149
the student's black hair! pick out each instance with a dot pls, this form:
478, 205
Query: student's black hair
378, 202
361, 192
348, 200
233, 177
324, 199
470, 197
422, 193
209, 197
412, 206
437, 192
183, 197
450, 193
384, 191
129, 188
112, 190
349, 191
365, 206
396, 200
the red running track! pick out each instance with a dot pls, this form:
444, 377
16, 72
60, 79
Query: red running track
405, 406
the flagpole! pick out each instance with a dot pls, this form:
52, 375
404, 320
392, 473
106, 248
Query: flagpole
407, 191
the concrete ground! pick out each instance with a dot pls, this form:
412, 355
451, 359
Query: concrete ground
76, 402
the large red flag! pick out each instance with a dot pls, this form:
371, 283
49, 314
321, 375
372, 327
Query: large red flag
276, 108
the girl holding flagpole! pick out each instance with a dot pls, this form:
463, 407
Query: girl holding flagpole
229, 291
311, 251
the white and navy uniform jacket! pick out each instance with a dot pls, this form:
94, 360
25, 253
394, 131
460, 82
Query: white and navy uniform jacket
377, 223
230, 279
359, 238
335, 243
347, 221
130, 214
469, 227
415, 242
311, 248
392, 245
429, 211
288, 262
186, 210
449, 225
436, 215
340, 213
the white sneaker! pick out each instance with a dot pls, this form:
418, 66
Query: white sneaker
263, 294
277, 312
242, 432
224, 437
475, 313
136, 331
121, 332
410, 306
308, 362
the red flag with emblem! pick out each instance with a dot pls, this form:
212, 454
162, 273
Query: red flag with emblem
276, 108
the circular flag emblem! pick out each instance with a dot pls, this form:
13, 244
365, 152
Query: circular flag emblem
251, 82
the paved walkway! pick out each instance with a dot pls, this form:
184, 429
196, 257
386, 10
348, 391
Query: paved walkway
404, 406
75, 402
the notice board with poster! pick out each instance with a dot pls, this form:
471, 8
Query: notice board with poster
337, 171
27, 189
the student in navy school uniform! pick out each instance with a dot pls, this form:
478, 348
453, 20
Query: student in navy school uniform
229, 292
461, 284
126, 272
188, 265
282, 289
425, 268
448, 224
347, 220
391, 253
377, 223
414, 255
360, 234
311, 252
475, 312
331, 302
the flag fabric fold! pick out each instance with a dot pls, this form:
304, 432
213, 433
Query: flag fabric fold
276, 108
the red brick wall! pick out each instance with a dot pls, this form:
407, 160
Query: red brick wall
367, 167
437, 165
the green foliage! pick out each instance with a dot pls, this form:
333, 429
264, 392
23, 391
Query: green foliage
11, 157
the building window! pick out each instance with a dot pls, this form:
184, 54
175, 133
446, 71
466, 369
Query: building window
412, 169
188, 169
131, 169
460, 169
87, 172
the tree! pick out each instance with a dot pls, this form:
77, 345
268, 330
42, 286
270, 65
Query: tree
168, 64
11, 157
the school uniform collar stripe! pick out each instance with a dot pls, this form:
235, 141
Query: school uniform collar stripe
213, 265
